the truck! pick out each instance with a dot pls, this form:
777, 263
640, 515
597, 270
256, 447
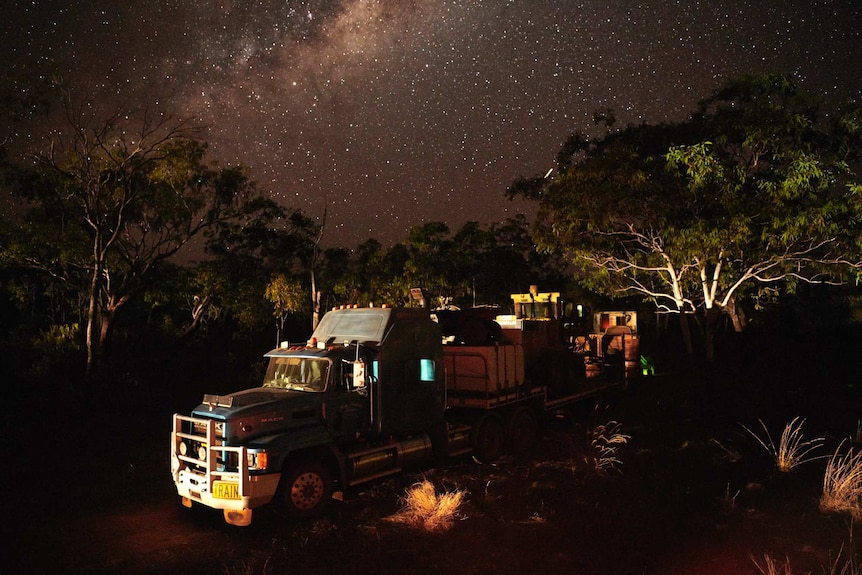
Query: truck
373, 391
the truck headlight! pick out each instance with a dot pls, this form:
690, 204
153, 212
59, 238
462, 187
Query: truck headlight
183, 448
202, 452
257, 460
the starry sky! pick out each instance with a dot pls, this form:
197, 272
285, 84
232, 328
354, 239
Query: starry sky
394, 113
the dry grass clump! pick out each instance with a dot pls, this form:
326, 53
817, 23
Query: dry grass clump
840, 566
842, 484
792, 449
423, 508
606, 441
772, 567
848, 565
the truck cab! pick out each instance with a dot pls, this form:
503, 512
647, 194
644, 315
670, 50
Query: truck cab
323, 418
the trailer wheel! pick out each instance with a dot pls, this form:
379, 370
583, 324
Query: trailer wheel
523, 430
306, 489
488, 438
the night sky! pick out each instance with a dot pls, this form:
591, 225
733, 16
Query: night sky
395, 113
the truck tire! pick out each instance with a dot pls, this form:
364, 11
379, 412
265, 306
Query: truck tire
523, 430
306, 489
488, 438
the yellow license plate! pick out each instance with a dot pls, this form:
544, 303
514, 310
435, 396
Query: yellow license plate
225, 490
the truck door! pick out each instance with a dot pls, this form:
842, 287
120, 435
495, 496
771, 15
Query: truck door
347, 410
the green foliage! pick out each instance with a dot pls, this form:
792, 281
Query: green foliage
474, 265
59, 338
56, 348
751, 191
111, 199
286, 296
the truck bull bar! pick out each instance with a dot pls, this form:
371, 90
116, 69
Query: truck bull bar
204, 465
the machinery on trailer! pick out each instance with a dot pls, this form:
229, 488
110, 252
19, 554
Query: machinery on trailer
606, 341
373, 391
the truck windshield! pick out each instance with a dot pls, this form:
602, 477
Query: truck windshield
298, 373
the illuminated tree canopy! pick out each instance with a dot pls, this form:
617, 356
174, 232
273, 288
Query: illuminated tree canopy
754, 191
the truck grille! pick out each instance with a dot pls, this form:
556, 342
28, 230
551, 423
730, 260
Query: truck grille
193, 441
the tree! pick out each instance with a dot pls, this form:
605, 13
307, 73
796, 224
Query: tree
430, 265
279, 241
286, 296
751, 193
111, 199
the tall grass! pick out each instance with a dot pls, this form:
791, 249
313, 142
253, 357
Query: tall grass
842, 484
841, 565
422, 507
772, 567
606, 441
848, 565
792, 448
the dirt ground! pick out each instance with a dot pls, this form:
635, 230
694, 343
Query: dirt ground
87, 489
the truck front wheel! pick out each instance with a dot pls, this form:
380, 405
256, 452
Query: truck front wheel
306, 489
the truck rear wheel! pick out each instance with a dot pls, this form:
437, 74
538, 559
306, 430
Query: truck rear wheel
523, 430
306, 489
488, 438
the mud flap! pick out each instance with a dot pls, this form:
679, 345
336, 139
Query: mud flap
238, 517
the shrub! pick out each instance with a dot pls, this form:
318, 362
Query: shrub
58, 350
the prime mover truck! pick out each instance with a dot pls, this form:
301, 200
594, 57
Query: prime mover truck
374, 390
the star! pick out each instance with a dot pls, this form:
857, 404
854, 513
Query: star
390, 114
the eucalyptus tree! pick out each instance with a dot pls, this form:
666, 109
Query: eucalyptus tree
110, 198
286, 296
753, 192
255, 261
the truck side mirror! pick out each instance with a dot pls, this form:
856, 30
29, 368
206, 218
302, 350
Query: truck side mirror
358, 374
355, 375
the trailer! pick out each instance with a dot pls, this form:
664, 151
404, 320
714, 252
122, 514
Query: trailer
376, 390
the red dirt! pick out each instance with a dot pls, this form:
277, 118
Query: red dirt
694, 494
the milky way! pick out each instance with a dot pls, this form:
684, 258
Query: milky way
395, 113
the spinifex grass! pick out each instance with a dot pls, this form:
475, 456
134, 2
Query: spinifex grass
792, 449
424, 508
605, 442
842, 484
772, 567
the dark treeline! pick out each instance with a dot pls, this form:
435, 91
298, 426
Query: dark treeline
751, 204
254, 289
